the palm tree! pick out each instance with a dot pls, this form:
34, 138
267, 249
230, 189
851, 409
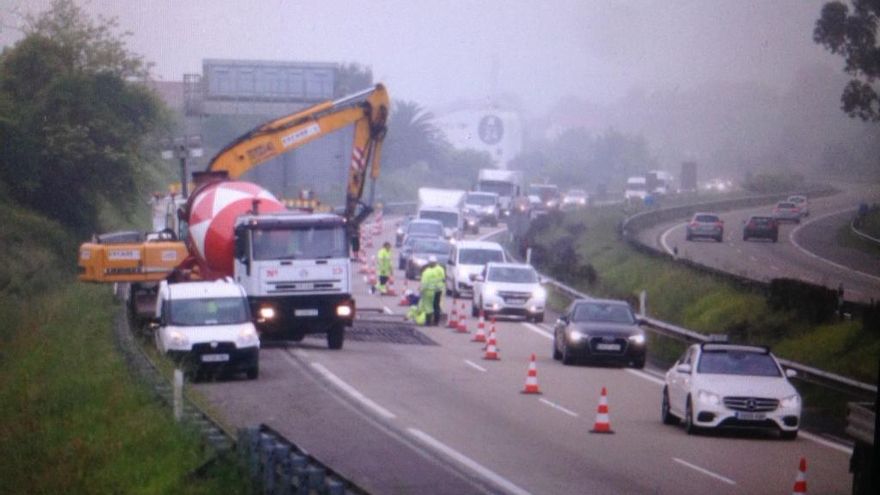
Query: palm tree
412, 137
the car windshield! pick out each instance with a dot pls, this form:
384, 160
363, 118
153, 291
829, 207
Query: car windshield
575, 193
307, 242
497, 187
447, 218
512, 274
761, 220
706, 218
481, 199
430, 246
425, 228
729, 362
786, 206
479, 256
796, 199
212, 311
610, 313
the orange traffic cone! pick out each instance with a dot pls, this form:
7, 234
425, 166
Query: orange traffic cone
532, 379
602, 424
404, 300
462, 320
481, 324
480, 336
389, 287
491, 352
452, 321
800, 481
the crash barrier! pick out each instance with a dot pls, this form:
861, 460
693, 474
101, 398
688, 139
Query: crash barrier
855, 230
278, 467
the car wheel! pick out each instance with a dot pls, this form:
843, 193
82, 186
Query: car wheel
253, 373
745, 237
788, 435
689, 425
556, 354
474, 311
567, 358
336, 336
688, 237
639, 363
720, 238
538, 318
666, 415
775, 238
409, 274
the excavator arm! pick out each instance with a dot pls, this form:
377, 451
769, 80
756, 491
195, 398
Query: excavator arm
367, 111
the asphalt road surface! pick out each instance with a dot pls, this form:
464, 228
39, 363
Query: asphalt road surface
402, 410
808, 251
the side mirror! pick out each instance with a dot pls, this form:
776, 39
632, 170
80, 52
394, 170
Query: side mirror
683, 368
563, 319
790, 373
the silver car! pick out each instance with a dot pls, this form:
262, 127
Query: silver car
705, 225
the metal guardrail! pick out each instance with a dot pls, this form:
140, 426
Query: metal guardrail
278, 467
856, 231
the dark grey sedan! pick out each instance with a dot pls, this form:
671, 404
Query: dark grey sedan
599, 330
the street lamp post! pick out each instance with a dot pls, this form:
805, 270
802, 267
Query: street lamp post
183, 148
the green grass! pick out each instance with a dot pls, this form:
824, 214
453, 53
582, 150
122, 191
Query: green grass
870, 226
711, 304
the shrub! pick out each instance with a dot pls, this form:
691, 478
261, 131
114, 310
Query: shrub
815, 303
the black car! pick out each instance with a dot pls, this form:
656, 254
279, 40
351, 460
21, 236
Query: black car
421, 250
761, 227
601, 330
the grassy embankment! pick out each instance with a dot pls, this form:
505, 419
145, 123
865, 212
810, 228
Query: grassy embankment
871, 226
703, 302
72, 418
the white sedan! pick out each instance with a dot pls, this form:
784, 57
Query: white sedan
509, 289
720, 385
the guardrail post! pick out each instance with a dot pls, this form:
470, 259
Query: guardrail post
178, 394
643, 302
335, 487
267, 445
316, 478
280, 469
298, 465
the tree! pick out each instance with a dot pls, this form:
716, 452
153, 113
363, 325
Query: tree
351, 78
412, 137
853, 35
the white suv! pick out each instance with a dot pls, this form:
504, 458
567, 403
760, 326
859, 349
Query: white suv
510, 289
727, 385
204, 325
468, 258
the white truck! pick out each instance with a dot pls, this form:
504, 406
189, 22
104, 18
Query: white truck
507, 184
636, 189
445, 206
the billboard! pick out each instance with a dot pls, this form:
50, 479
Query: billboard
255, 80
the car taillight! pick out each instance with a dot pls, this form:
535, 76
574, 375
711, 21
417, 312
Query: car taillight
693, 224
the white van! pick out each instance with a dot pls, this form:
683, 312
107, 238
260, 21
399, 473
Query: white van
207, 325
466, 258
636, 188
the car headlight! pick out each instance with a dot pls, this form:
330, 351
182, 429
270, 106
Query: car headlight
419, 261
267, 312
177, 339
343, 310
247, 337
576, 336
637, 339
399, 231
539, 293
790, 402
707, 397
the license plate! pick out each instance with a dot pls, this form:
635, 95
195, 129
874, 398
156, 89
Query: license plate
305, 312
750, 416
516, 301
215, 358
607, 347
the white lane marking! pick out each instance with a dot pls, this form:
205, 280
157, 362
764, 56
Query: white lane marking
665, 235
353, 392
490, 234
301, 353
793, 234
774, 267
538, 330
475, 366
704, 471
827, 443
559, 408
467, 462
645, 375
387, 310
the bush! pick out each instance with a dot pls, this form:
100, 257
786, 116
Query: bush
813, 302
769, 183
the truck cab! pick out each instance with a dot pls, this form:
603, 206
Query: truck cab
207, 325
295, 268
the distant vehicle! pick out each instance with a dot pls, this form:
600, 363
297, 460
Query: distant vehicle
509, 289
207, 325
802, 203
660, 182
721, 385
718, 185
602, 330
468, 258
415, 229
507, 184
786, 211
445, 206
548, 195
400, 232
418, 252
575, 198
484, 205
636, 189
705, 225
761, 227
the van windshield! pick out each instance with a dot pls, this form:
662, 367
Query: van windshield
498, 187
447, 218
479, 256
208, 311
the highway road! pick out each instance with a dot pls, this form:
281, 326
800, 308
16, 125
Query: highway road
402, 410
808, 251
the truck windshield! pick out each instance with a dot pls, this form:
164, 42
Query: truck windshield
306, 242
209, 311
544, 192
447, 218
497, 187
480, 199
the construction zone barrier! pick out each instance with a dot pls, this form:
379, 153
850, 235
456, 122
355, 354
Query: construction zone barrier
603, 423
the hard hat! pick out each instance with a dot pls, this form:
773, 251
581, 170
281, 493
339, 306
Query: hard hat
432, 259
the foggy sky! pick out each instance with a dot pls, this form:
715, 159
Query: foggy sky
435, 52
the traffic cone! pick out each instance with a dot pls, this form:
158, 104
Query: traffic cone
800, 481
491, 352
389, 287
462, 320
532, 379
480, 336
404, 300
452, 322
602, 424
481, 324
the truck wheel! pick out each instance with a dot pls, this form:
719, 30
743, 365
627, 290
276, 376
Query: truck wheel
336, 336
253, 373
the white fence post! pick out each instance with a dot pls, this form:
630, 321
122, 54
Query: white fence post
643, 301
178, 394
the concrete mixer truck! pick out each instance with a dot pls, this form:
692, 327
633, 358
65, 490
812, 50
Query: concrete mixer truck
293, 264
